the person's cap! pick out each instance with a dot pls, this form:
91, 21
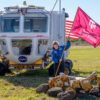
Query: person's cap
55, 43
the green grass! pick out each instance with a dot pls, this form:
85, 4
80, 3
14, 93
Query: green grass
23, 85
86, 60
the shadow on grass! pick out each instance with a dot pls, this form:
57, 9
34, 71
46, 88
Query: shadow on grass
33, 78
82, 73
28, 79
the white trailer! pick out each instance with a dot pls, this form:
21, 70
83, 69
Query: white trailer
26, 32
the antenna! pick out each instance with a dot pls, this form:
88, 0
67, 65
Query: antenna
24, 3
59, 34
59, 5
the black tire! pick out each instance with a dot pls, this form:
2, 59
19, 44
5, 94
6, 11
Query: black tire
69, 63
67, 71
6, 66
68, 66
2, 69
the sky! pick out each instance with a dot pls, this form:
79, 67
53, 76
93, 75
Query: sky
91, 7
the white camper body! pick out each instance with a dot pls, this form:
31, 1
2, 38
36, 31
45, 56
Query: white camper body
32, 29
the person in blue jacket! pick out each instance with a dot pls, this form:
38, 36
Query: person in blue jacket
57, 56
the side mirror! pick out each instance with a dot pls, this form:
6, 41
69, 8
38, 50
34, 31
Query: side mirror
66, 15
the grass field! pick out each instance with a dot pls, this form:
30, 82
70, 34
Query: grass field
22, 86
86, 60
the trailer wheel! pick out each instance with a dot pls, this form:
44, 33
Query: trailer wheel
68, 66
2, 69
69, 63
66, 71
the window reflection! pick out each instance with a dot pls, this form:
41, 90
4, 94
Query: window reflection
22, 47
3, 47
38, 24
42, 46
9, 24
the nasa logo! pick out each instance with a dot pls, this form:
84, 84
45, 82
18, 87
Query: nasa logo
22, 59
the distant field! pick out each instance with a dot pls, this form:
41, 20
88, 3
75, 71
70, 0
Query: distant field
86, 60
22, 86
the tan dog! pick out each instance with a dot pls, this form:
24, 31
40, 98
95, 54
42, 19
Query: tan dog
75, 84
55, 82
58, 81
98, 81
86, 85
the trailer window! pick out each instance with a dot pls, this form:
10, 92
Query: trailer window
9, 24
42, 46
38, 24
1, 23
3, 47
22, 47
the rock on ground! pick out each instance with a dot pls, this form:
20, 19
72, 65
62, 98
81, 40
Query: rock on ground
67, 95
54, 91
43, 88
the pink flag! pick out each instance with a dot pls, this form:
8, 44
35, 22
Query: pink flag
86, 28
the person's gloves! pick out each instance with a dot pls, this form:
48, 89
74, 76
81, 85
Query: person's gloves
60, 60
68, 45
